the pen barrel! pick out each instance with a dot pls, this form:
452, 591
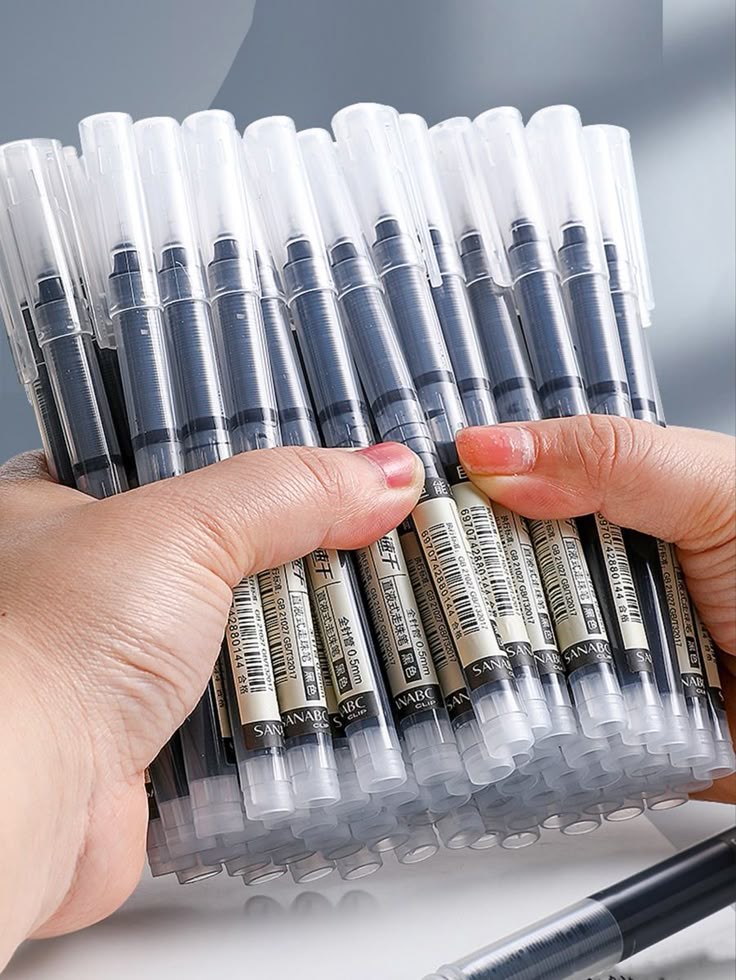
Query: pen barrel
513, 385
674, 894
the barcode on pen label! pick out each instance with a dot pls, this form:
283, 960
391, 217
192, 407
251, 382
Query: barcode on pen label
623, 593
683, 631
522, 563
491, 566
341, 631
398, 627
709, 658
570, 594
293, 648
444, 657
250, 663
471, 627
220, 702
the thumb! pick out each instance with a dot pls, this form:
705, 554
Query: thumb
676, 484
261, 509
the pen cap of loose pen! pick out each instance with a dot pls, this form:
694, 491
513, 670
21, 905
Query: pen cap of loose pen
459, 155
376, 166
618, 147
513, 191
213, 150
111, 164
555, 137
287, 206
168, 197
42, 222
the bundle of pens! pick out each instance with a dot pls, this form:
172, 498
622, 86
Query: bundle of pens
176, 295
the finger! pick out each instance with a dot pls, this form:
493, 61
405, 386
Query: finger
674, 483
27, 489
263, 508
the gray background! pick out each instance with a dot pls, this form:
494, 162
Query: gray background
665, 71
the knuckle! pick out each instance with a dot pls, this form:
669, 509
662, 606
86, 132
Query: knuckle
324, 477
607, 448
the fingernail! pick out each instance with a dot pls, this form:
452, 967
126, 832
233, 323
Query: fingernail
497, 449
397, 463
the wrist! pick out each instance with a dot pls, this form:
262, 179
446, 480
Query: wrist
46, 772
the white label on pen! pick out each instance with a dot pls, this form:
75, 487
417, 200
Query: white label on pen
623, 593
446, 552
398, 627
446, 663
683, 630
709, 656
524, 571
293, 649
342, 635
220, 703
337, 725
569, 589
479, 524
250, 662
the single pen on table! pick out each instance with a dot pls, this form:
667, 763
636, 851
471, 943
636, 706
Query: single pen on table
538, 667
256, 734
613, 924
214, 155
557, 150
369, 142
296, 246
608, 153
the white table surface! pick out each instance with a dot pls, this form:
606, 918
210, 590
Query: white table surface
398, 925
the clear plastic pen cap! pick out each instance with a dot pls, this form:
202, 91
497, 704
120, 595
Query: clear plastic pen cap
423, 171
88, 257
10, 302
372, 151
42, 222
168, 197
335, 206
617, 143
555, 136
460, 160
110, 160
512, 185
273, 154
213, 149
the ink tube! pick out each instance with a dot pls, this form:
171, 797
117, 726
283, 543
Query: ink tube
40, 219
255, 718
369, 141
297, 247
213, 150
29, 363
86, 262
610, 926
461, 335
458, 159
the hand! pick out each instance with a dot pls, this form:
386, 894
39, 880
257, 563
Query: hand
676, 484
111, 618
